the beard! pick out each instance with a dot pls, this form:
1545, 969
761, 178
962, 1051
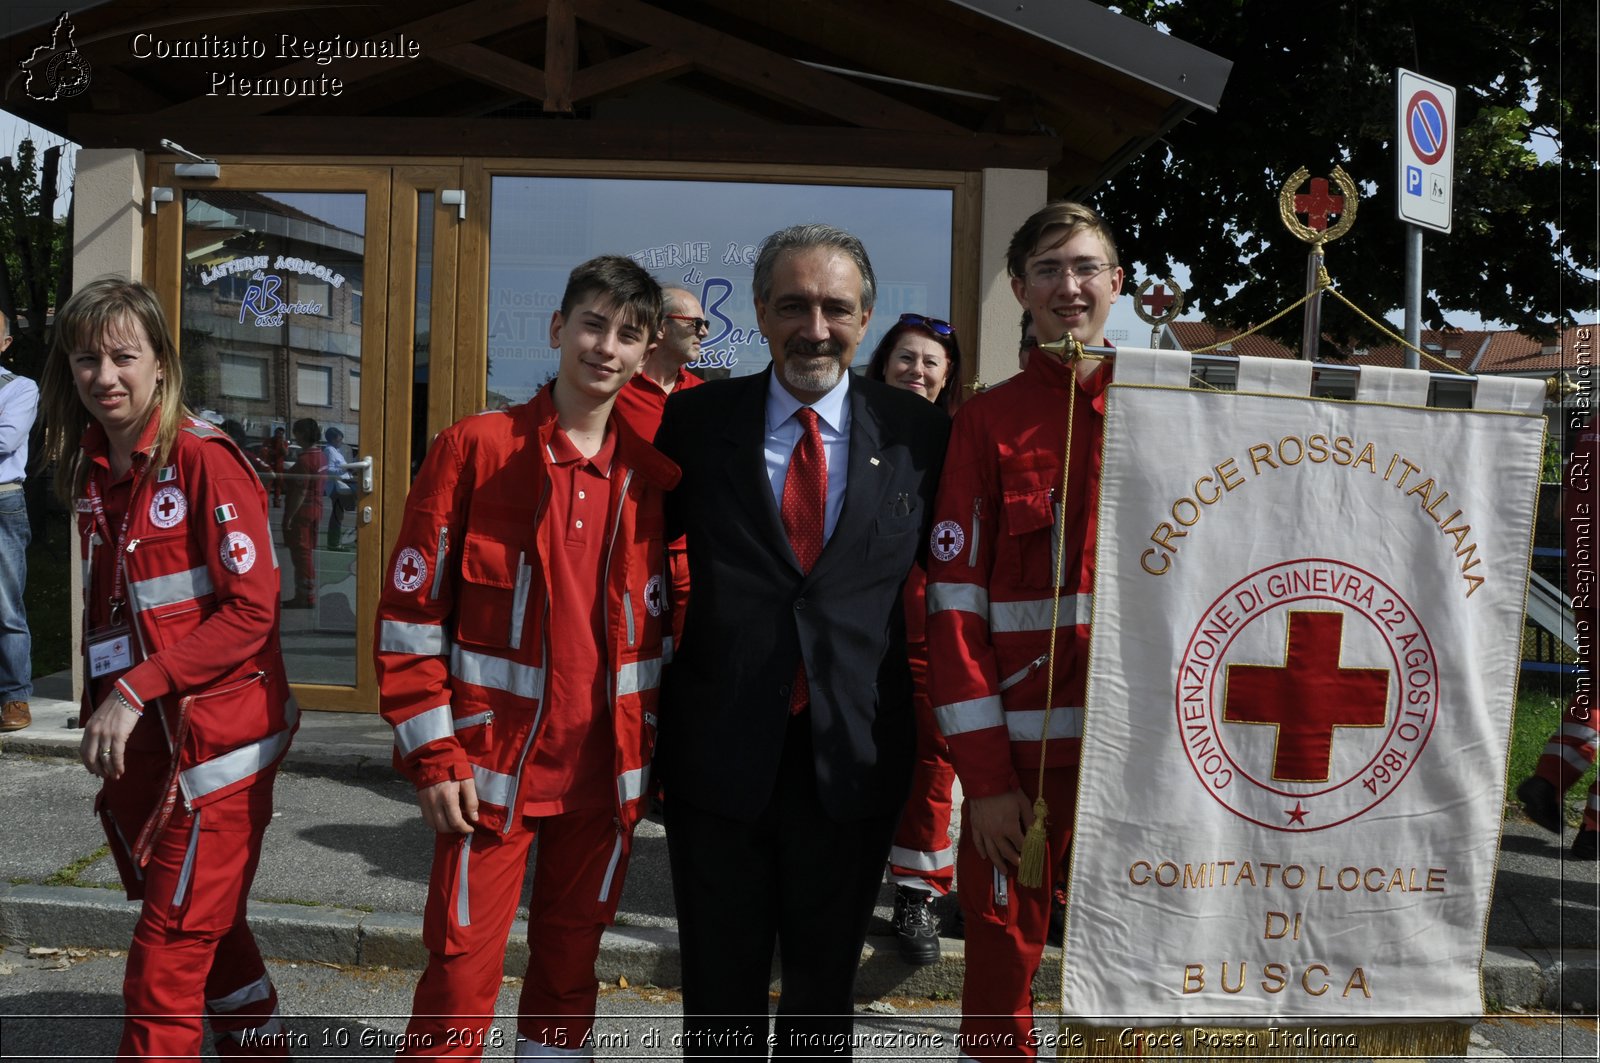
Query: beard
813, 367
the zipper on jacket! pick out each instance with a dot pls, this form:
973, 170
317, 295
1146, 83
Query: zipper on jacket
486, 717
181, 890
1000, 891
977, 519
1057, 573
627, 614
611, 868
605, 583
144, 650
519, 599
440, 557
463, 909
1018, 676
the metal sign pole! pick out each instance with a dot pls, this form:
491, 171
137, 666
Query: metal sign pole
1413, 294
1311, 331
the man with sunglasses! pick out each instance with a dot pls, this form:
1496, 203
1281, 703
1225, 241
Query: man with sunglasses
991, 596
666, 370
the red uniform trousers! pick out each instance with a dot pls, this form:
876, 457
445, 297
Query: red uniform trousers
300, 536
1570, 753
1006, 930
192, 946
922, 856
577, 881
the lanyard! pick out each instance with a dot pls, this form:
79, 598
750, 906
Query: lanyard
98, 508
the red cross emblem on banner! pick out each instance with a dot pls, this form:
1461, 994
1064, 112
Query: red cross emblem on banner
1308, 698
1319, 204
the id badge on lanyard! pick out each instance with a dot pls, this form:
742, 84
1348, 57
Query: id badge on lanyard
109, 649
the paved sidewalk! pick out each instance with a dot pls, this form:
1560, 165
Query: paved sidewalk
345, 865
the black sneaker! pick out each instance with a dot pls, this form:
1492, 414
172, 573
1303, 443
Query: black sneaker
916, 928
1584, 846
1541, 803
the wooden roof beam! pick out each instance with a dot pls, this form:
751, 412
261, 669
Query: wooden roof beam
493, 68
560, 55
636, 68
738, 61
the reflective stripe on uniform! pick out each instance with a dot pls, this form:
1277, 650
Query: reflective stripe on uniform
975, 715
958, 598
233, 766
171, 589
1023, 724
1035, 615
493, 787
260, 989
918, 860
496, 673
411, 735
640, 675
397, 636
631, 784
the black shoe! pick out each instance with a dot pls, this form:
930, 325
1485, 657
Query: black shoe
1584, 846
1541, 803
916, 928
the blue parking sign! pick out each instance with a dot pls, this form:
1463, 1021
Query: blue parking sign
1413, 181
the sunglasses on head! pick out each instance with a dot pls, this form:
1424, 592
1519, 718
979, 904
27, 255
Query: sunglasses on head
932, 324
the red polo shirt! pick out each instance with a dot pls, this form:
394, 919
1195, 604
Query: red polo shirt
641, 402
573, 757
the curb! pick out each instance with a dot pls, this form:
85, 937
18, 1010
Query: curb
81, 917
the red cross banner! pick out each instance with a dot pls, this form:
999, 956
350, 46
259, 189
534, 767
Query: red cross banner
1305, 646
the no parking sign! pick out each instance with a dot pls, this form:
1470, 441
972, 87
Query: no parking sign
1425, 150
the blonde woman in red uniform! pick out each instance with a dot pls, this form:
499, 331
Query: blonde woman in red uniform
186, 710
920, 354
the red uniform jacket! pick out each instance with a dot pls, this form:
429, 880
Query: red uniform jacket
991, 568
462, 635
201, 584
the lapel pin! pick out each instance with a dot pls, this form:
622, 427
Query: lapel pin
873, 460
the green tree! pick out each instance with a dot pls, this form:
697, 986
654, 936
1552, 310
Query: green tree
36, 266
1312, 85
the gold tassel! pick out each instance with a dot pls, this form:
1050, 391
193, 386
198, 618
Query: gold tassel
1375, 1040
1030, 872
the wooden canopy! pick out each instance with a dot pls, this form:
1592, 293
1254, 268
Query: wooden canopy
1062, 85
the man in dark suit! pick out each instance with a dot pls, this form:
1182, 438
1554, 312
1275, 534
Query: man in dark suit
787, 732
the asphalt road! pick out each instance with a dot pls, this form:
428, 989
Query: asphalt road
66, 1004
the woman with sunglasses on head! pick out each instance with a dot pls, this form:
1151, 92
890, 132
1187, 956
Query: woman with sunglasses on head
921, 354
186, 709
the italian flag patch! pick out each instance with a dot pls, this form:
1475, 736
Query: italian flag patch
226, 512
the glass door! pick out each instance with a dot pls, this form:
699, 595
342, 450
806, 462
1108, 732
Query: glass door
277, 277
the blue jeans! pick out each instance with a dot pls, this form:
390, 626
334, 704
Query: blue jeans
16, 644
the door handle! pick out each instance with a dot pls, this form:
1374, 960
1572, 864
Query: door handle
365, 465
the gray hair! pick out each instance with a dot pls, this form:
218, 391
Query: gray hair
804, 238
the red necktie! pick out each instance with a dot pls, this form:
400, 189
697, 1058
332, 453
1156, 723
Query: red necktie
805, 498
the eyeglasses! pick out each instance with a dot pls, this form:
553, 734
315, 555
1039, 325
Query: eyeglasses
1050, 273
696, 323
932, 324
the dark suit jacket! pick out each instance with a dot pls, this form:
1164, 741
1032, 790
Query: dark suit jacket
753, 614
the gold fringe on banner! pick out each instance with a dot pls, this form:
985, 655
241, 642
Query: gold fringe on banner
1378, 1040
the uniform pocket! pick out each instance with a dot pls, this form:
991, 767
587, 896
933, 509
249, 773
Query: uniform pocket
1028, 519
492, 596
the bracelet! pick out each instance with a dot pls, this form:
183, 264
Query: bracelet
120, 696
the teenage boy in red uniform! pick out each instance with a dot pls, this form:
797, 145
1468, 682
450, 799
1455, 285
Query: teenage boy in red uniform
519, 654
991, 572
